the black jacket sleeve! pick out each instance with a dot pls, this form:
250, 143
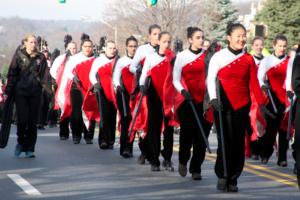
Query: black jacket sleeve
12, 75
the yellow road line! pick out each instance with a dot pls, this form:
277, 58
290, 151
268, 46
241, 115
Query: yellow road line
265, 172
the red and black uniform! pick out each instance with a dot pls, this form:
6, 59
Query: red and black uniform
257, 122
135, 68
123, 79
156, 67
274, 69
57, 71
103, 68
189, 75
76, 98
236, 72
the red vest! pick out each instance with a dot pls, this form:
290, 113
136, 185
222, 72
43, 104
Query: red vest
105, 74
128, 79
193, 77
276, 76
237, 78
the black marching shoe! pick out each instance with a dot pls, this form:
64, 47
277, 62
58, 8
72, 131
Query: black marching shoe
103, 145
196, 176
264, 161
222, 184
63, 138
142, 159
232, 188
282, 163
88, 141
126, 154
155, 168
76, 140
255, 157
168, 165
182, 170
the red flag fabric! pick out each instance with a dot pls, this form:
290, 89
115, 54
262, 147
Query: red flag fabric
89, 106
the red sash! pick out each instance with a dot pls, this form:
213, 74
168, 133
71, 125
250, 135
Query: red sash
276, 76
128, 79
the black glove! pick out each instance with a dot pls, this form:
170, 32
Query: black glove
186, 95
265, 88
266, 112
143, 89
290, 94
76, 80
120, 89
96, 87
216, 105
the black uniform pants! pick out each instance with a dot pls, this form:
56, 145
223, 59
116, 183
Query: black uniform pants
125, 122
234, 129
168, 142
190, 136
64, 130
108, 131
28, 108
155, 120
267, 141
44, 108
77, 125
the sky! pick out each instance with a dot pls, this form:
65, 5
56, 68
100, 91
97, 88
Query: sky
52, 9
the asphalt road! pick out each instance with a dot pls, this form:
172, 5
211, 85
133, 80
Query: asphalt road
63, 170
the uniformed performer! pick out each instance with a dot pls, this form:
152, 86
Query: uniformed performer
235, 71
189, 81
56, 71
101, 79
136, 68
256, 119
25, 81
123, 81
271, 75
76, 98
151, 83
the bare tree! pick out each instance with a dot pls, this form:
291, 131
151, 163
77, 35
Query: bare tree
132, 17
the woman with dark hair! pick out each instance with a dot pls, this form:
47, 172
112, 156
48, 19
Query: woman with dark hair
235, 71
156, 67
257, 123
136, 67
85, 57
25, 80
271, 75
189, 81
123, 81
102, 68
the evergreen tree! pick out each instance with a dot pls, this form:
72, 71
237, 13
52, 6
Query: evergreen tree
226, 13
281, 16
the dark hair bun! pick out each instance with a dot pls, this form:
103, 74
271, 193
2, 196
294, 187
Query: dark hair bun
84, 36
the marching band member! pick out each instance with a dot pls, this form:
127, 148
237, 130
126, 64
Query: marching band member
236, 72
271, 76
189, 81
103, 68
123, 81
156, 67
